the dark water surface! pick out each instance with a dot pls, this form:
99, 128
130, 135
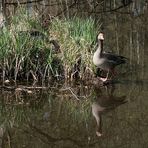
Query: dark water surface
64, 115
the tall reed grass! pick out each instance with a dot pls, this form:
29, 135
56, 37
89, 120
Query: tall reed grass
27, 57
76, 37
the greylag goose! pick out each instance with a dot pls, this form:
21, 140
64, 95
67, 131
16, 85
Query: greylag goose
106, 61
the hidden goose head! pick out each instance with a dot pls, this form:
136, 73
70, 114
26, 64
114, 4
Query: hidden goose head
101, 36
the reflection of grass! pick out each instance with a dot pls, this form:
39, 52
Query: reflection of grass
16, 109
71, 109
19, 107
79, 111
24, 56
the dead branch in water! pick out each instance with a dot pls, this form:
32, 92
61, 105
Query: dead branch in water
23, 3
22, 88
70, 89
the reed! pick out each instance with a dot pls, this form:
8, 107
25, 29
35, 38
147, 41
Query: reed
27, 56
76, 37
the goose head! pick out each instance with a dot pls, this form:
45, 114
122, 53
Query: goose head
100, 36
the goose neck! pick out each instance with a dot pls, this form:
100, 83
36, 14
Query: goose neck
100, 46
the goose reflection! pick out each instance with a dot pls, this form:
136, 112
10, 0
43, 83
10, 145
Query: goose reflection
104, 103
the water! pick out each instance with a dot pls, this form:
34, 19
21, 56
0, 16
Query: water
63, 117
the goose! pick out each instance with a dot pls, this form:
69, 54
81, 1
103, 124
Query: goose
106, 61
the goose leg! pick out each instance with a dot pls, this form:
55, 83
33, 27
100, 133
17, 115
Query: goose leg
105, 79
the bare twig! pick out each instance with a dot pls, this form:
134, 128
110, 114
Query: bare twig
69, 7
112, 10
22, 88
21, 3
70, 89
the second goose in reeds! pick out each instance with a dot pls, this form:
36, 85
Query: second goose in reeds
106, 61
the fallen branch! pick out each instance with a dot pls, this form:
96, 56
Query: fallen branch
70, 89
22, 3
22, 88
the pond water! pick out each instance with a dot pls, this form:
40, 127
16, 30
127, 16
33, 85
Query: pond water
72, 115
81, 115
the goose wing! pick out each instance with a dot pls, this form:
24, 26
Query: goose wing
114, 58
